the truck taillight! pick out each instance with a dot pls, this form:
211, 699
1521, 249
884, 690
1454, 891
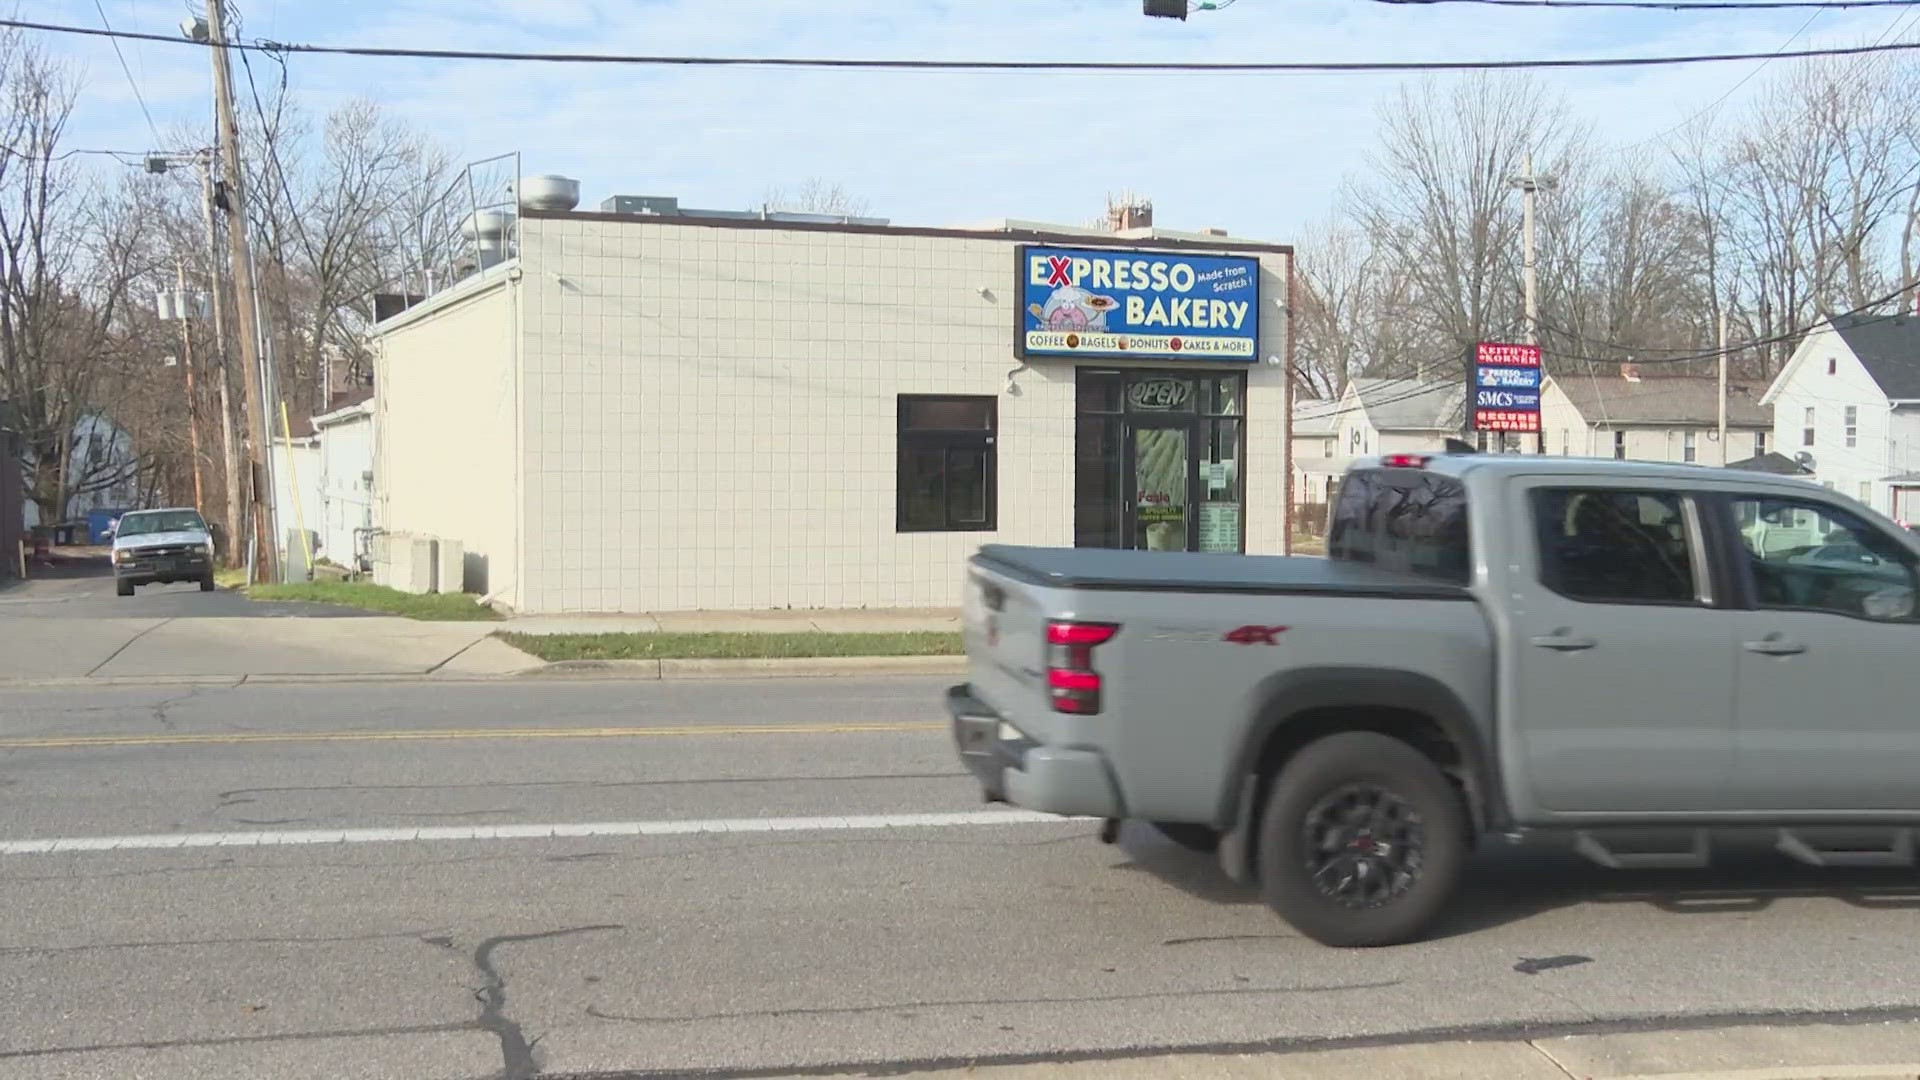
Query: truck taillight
1072, 684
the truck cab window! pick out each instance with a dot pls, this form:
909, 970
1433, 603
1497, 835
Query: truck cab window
1614, 546
1808, 556
1414, 523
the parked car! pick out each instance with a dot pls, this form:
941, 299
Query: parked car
161, 546
1497, 646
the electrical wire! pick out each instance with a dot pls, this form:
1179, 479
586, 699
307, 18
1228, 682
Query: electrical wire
114, 37
1668, 5
953, 66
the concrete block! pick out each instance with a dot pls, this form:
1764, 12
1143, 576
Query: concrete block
450, 566
403, 561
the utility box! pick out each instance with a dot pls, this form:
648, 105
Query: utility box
450, 566
299, 548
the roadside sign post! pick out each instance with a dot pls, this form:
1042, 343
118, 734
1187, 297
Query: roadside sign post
1503, 389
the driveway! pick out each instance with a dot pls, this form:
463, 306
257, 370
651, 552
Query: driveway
83, 589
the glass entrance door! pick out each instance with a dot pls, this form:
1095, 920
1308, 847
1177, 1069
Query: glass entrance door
1161, 469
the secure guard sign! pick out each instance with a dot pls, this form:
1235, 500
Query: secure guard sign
1156, 305
1506, 387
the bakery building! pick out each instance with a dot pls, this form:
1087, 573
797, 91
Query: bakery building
686, 410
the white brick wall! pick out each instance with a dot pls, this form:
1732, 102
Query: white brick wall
709, 414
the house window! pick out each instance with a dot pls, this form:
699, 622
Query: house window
1566, 442
1759, 443
1353, 441
1853, 425
1620, 445
1806, 431
1326, 448
1833, 365
1689, 451
947, 474
1866, 492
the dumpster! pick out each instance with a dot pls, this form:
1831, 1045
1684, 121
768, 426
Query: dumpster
98, 521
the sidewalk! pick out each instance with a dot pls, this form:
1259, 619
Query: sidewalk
1877, 1051
847, 621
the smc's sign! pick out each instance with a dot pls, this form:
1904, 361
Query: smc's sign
1505, 383
1118, 303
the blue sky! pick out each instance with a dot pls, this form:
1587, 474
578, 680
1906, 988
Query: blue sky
1262, 155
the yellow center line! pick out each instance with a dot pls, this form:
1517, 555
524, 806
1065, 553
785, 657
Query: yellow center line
67, 742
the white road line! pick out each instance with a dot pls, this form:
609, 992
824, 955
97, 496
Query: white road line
165, 841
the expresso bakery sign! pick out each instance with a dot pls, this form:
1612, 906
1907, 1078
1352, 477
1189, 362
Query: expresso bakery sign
1116, 303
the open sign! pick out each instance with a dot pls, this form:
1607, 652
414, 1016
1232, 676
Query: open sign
1159, 395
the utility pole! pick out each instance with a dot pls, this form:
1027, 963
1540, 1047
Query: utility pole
1529, 183
184, 303
241, 256
1725, 454
229, 456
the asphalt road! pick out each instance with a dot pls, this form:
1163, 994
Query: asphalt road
81, 590
760, 943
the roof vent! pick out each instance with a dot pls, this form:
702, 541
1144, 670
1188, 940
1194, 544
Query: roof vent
549, 191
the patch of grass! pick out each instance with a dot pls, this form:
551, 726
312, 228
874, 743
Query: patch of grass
429, 607
1309, 545
235, 578
719, 646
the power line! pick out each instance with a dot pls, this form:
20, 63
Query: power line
1116, 66
1744, 80
1669, 5
114, 37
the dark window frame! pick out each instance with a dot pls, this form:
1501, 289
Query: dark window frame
946, 441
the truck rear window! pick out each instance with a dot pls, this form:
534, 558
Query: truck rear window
1405, 520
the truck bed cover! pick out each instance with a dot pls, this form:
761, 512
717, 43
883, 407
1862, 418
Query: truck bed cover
1199, 572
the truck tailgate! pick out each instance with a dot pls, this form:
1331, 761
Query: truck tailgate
1004, 630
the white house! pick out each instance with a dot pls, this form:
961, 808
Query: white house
1318, 462
102, 449
346, 438
1847, 406
1637, 416
296, 493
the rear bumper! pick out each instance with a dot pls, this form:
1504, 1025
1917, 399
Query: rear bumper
1018, 770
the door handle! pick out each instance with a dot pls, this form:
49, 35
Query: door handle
1563, 642
1774, 645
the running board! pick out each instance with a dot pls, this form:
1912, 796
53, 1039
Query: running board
1590, 846
1899, 854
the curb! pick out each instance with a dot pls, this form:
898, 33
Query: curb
774, 668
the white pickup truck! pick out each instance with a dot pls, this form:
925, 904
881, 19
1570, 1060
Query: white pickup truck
1496, 645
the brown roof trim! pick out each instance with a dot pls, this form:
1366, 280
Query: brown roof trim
1011, 236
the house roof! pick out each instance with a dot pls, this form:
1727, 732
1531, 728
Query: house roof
1314, 418
1663, 401
1412, 405
1888, 347
1770, 462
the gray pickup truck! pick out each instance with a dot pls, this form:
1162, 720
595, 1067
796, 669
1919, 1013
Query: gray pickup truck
1642, 659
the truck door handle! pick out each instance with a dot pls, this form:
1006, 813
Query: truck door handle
1564, 642
1774, 645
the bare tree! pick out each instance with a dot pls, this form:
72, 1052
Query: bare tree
1440, 205
816, 196
1350, 321
70, 251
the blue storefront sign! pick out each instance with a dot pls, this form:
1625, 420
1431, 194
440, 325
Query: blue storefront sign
1506, 387
1117, 303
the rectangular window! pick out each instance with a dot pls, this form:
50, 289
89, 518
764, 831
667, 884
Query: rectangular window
1689, 450
1566, 442
1416, 523
1866, 492
1620, 445
1759, 443
1615, 546
948, 465
1806, 431
1853, 425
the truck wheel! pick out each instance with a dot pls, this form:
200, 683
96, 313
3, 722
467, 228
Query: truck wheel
206, 583
1191, 837
1362, 842
122, 587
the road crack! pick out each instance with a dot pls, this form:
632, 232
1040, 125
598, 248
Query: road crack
518, 1061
